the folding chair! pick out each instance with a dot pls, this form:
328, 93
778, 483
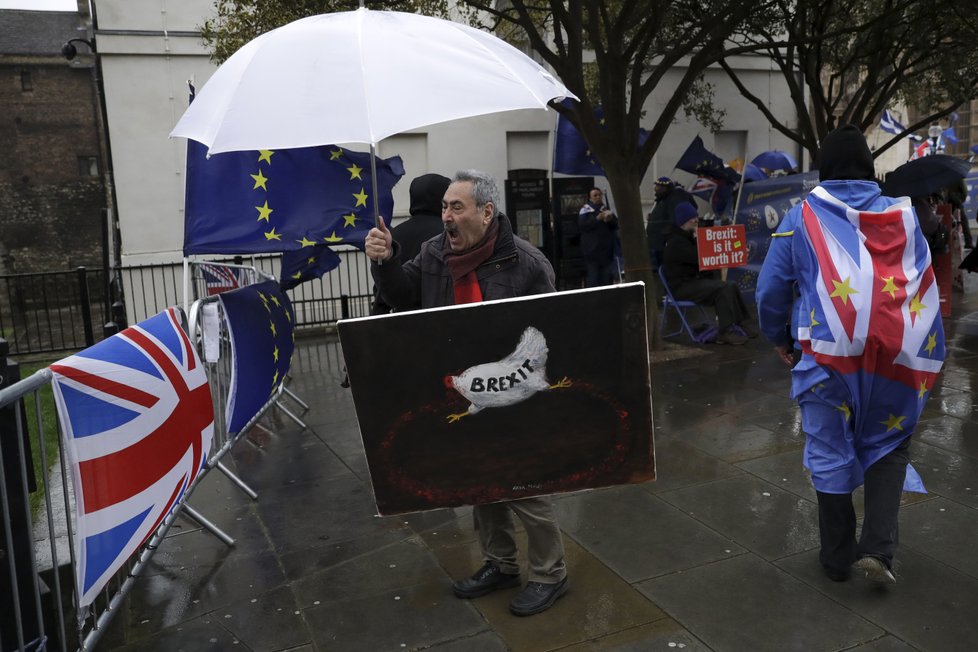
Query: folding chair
668, 301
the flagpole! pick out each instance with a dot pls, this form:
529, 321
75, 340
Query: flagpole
378, 221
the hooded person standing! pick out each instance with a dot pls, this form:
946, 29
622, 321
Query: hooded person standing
868, 322
427, 192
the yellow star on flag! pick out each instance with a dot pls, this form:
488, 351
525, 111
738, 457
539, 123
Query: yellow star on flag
350, 220
276, 301
260, 180
361, 198
271, 325
275, 353
355, 172
815, 322
275, 379
334, 154
893, 422
271, 235
297, 275
264, 212
265, 155
310, 260
916, 305
306, 243
333, 238
844, 409
923, 390
890, 286
931, 343
843, 290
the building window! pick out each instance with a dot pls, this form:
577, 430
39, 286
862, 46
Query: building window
88, 166
26, 84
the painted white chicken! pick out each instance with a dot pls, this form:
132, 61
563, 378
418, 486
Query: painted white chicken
515, 378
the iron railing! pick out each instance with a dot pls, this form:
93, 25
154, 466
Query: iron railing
52, 312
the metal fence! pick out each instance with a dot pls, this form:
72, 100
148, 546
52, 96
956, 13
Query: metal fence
40, 608
52, 312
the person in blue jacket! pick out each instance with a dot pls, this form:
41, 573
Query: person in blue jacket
851, 270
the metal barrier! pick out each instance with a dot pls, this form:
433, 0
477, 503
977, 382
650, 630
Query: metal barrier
39, 562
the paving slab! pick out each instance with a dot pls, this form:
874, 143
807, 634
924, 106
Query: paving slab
745, 603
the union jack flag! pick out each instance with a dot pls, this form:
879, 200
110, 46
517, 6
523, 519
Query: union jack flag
218, 278
137, 422
874, 310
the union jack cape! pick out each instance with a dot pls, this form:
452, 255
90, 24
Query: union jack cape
137, 422
873, 312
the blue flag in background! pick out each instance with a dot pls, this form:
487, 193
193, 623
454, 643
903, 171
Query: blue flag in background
697, 159
282, 200
306, 264
890, 124
260, 321
571, 152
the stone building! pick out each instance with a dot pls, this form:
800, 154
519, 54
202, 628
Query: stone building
52, 196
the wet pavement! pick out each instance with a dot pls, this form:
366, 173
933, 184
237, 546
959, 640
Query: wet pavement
720, 553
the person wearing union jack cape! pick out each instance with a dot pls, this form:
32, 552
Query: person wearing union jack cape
851, 271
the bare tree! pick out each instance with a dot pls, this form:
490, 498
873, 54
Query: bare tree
845, 61
612, 54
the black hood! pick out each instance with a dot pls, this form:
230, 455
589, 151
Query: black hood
844, 155
427, 191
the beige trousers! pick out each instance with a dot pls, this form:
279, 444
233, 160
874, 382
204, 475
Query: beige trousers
497, 536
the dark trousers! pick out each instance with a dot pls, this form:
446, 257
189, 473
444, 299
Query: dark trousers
880, 533
599, 273
722, 295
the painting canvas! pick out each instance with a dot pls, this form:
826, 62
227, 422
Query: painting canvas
500, 400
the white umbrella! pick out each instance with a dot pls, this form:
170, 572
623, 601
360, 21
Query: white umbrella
358, 77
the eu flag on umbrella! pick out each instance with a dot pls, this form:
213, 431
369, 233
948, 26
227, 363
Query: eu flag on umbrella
137, 422
261, 324
270, 201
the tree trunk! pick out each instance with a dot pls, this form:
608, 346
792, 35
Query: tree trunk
638, 267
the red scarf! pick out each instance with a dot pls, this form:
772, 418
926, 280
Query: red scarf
462, 266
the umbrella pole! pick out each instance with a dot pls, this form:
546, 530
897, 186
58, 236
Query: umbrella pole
373, 184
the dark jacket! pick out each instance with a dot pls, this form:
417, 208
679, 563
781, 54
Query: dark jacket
681, 261
597, 237
516, 268
662, 216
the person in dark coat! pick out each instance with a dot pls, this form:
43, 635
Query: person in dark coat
599, 231
427, 192
479, 258
668, 195
687, 282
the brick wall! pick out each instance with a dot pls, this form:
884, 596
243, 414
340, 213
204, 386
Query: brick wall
51, 191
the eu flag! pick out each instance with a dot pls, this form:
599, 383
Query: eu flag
306, 264
571, 152
270, 201
697, 159
261, 324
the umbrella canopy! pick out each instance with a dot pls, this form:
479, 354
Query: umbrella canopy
358, 77
775, 159
753, 173
925, 175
